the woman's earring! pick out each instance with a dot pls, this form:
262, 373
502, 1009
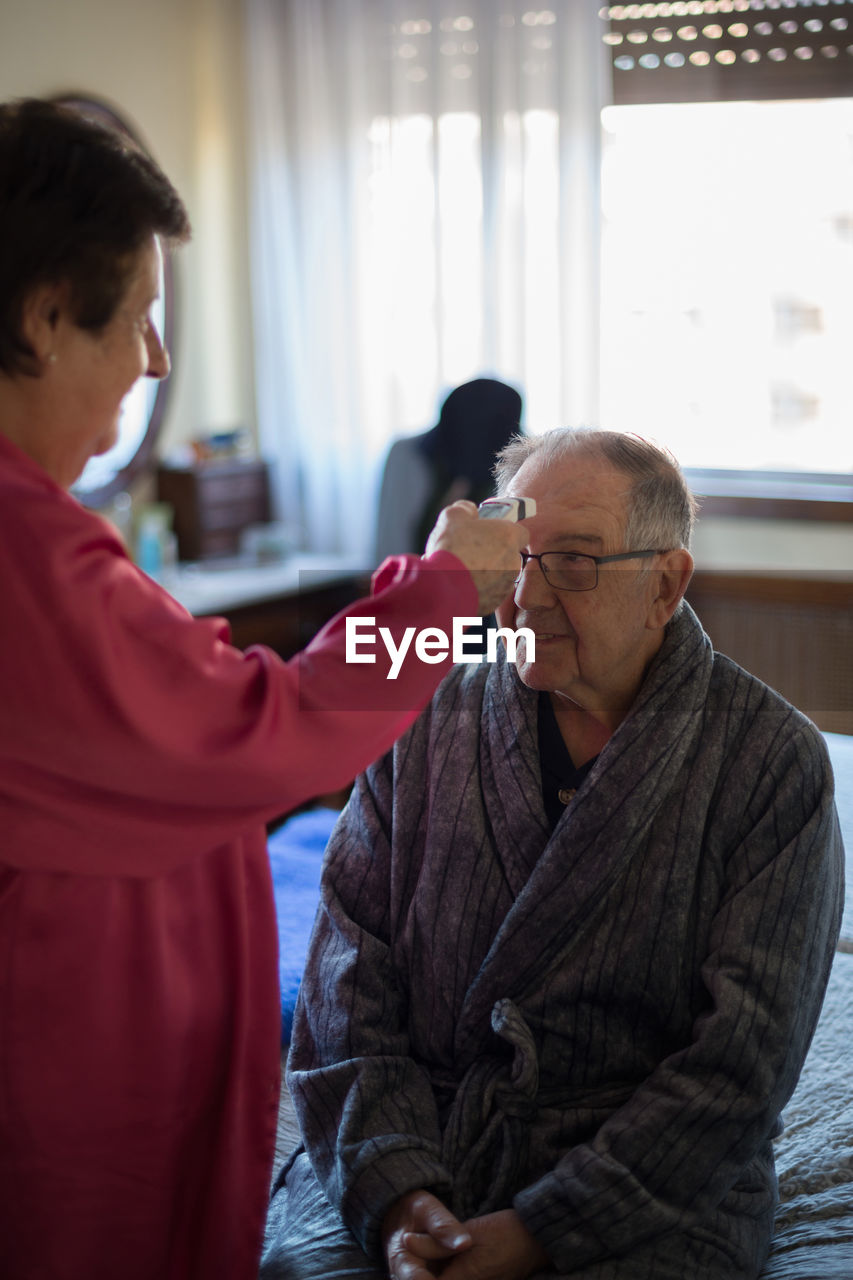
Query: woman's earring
51, 359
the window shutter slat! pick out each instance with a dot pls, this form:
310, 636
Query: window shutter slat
729, 50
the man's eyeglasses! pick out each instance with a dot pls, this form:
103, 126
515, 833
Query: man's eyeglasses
572, 571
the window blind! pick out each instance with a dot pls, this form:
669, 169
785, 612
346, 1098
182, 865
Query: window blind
729, 50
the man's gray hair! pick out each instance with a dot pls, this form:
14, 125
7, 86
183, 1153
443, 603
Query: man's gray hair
661, 510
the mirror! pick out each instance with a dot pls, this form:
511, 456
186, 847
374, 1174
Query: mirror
142, 411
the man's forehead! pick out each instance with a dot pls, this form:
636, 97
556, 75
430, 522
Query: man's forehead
576, 488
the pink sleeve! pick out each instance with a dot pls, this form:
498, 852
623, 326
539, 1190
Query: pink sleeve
130, 720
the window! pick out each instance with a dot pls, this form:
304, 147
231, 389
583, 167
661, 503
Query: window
428, 191
727, 272
727, 294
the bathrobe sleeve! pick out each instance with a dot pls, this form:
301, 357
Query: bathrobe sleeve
666, 1158
366, 1108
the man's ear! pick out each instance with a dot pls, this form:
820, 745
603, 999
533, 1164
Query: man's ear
41, 313
671, 579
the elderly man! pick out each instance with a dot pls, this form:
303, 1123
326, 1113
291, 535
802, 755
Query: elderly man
574, 935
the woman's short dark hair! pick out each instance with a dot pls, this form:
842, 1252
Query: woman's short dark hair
77, 203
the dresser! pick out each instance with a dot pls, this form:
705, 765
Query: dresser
213, 502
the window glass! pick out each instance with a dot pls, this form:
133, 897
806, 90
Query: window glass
727, 281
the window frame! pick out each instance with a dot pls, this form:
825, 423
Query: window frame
773, 495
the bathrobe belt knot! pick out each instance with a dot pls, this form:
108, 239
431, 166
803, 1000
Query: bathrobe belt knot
485, 1138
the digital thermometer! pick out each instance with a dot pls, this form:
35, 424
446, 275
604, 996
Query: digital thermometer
507, 509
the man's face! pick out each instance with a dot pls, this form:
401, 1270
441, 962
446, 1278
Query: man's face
592, 647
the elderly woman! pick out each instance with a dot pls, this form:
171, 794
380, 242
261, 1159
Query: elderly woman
141, 755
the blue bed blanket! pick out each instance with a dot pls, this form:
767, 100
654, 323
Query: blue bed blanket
296, 857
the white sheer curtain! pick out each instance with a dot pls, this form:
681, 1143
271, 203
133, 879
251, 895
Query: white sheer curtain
425, 209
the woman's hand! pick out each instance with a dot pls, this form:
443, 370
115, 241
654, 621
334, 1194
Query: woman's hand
419, 1234
489, 549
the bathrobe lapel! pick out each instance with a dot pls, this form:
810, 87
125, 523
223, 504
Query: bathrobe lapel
559, 904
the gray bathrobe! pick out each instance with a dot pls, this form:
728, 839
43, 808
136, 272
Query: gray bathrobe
597, 1025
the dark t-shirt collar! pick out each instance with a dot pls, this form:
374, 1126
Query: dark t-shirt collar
560, 778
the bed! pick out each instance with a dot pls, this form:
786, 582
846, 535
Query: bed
296, 857
814, 1155
814, 1228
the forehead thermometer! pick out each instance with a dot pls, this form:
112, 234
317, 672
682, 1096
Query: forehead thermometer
507, 509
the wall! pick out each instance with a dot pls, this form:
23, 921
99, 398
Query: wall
175, 69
